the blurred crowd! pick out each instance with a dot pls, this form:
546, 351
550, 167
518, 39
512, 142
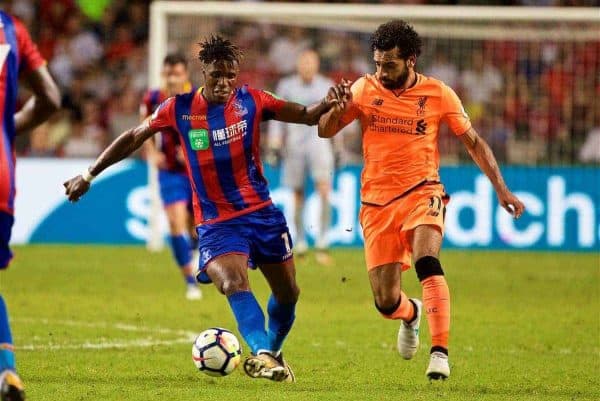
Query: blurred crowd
534, 101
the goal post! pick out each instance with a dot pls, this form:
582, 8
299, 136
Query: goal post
524, 43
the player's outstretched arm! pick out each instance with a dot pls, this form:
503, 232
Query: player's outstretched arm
330, 123
482, 155
296, 113
123, 146
44, 102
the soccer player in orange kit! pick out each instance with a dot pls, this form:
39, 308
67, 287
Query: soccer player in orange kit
403, 200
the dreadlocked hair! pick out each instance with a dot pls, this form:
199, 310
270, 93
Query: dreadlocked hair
397, 33
216, 48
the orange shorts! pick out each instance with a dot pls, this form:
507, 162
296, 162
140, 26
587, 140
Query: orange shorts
388, 229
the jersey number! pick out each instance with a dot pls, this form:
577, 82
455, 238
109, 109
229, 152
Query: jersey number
4, 50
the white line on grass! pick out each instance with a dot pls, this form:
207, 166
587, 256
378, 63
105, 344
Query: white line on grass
183, 336
136, 343
105, 325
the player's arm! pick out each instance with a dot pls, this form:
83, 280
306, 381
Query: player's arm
482, 155
44, 102
331, 122
149, 150
292, 112
123, 146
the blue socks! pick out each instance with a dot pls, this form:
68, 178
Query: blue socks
7, 356
182, 250
281, 319
250, 319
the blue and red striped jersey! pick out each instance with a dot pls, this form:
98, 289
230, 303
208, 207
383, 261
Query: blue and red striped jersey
18, 54
221, 148
168, 141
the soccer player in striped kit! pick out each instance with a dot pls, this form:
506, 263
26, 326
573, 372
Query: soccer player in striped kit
19, 58
304, 151
175, 189
218, 126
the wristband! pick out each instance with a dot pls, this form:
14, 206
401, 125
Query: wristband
87, 176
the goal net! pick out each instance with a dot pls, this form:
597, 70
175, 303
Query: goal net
529, 77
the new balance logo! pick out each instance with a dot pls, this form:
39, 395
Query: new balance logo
377, 102
421, 127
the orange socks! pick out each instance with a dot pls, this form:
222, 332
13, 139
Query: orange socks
405, 310
436, 304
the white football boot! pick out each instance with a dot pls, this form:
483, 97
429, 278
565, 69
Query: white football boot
438, 366
408, 334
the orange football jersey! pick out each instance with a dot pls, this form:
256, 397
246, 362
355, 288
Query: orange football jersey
400, 134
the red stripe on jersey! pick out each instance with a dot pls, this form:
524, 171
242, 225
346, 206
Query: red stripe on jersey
5, 176
256, 133
30, 58
206, 159
238, 160
195, 202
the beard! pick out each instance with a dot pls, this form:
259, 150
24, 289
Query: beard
398, 83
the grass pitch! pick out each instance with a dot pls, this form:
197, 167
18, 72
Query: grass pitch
111, 323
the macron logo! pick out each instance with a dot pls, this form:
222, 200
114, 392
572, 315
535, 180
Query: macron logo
193, 117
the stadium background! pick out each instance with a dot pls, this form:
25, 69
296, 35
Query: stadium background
535, 101
110, 322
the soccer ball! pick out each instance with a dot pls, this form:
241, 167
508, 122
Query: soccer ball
216, 352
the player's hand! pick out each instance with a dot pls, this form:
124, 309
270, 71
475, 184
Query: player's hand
511, 204
75, 188
340, 96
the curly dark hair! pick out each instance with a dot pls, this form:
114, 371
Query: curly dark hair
216, 48
397, 33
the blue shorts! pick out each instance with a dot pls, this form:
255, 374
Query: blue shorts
6, 223
263, 235
174, 187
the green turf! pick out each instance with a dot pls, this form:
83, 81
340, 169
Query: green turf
525, 327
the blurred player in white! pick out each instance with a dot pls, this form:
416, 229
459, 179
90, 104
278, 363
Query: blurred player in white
175, 189
304, 152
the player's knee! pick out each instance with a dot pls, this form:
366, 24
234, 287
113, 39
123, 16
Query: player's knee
289, 295
324, 188
428, 266
387, 304
295, 294
231, 285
